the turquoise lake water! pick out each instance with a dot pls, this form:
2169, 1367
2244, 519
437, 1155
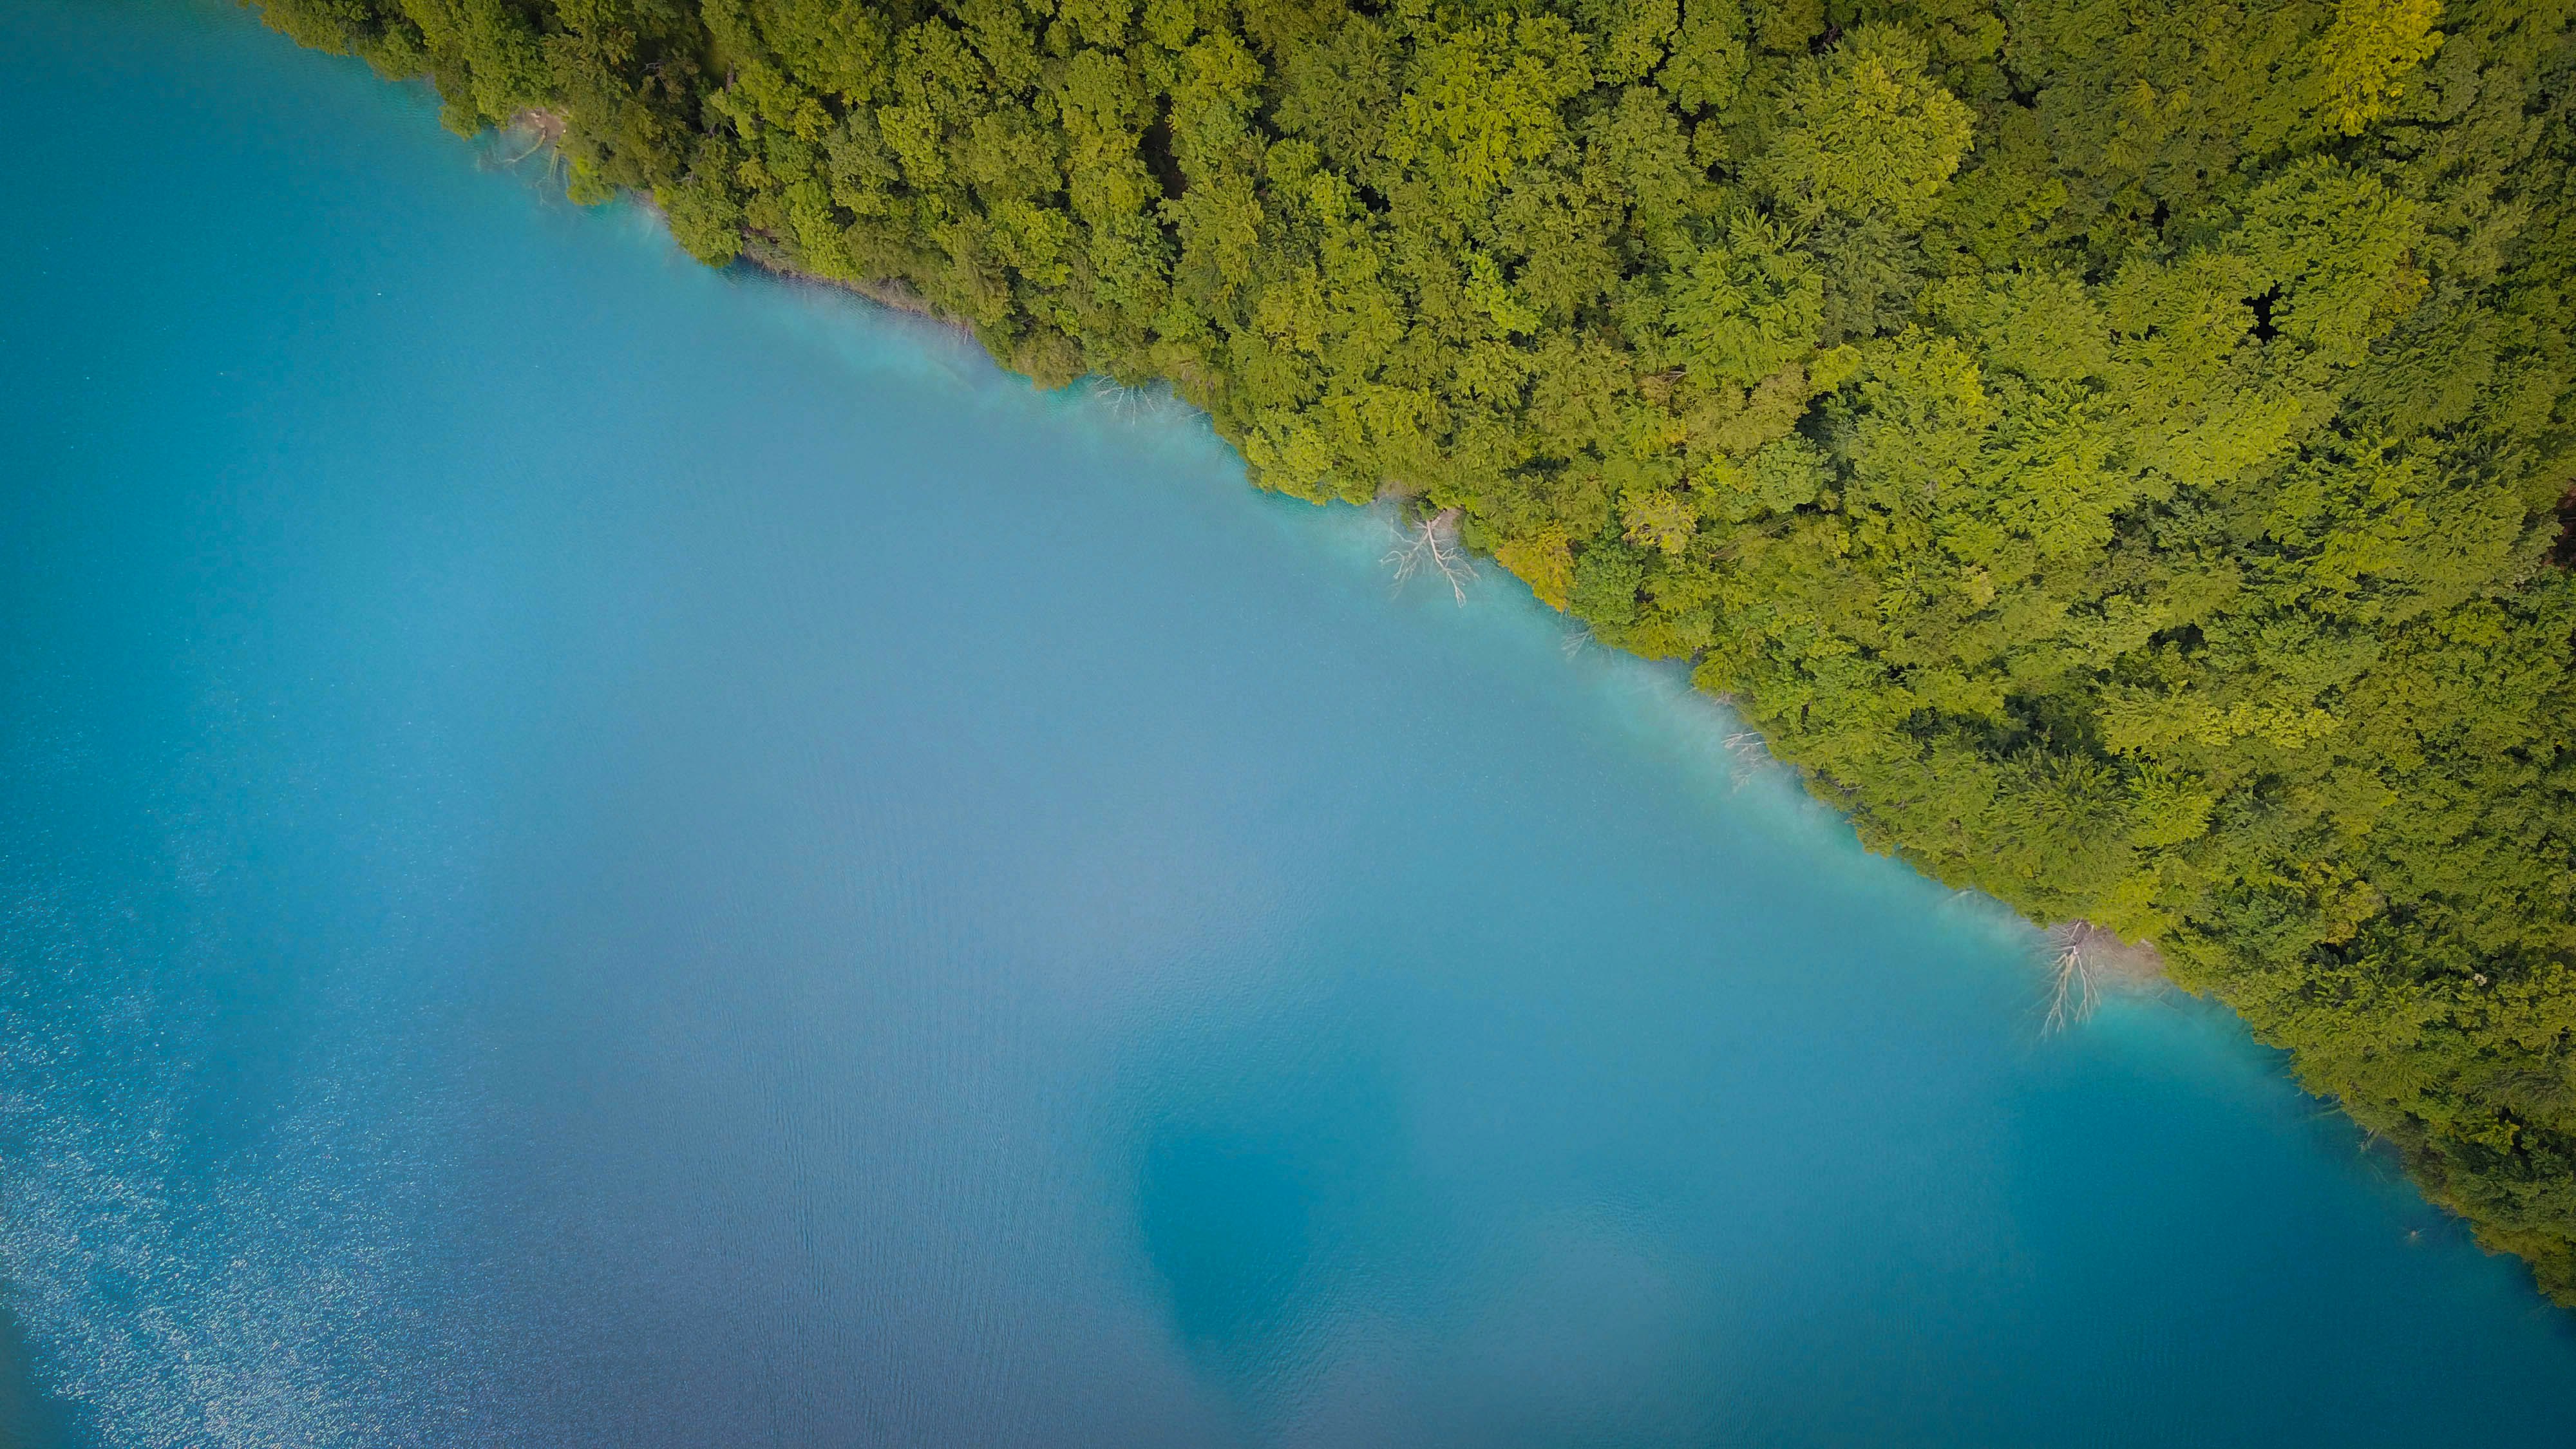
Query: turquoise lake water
598, 853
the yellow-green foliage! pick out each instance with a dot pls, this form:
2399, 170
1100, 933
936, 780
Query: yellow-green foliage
2115, 446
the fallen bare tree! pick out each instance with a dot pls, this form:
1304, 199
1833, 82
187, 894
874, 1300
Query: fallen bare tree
2086, 962
1432, 544
542, 128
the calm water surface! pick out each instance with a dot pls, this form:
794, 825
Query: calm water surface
598, 853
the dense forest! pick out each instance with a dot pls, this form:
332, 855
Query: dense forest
2116, 448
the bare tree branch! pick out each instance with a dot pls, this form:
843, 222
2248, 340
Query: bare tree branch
545, 128
1433, 544
2086, 963
2073, 991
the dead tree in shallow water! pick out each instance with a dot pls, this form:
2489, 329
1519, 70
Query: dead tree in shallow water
1433, 544
2072, 990
544, 128
2086, 963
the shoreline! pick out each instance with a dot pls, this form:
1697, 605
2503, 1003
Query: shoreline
2101, 957
894, 295
2081, 962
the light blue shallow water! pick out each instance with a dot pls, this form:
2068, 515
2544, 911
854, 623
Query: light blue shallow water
598, 853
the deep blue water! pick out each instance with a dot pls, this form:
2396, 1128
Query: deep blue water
593, 852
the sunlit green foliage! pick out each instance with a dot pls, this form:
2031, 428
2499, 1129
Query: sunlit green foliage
2114, 446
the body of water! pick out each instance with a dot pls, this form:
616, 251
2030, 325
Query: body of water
599, 853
